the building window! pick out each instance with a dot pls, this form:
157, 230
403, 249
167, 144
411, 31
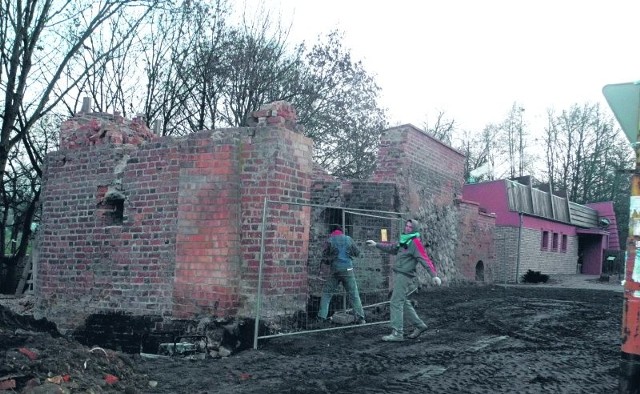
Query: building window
554, 245
564, 243
545, 240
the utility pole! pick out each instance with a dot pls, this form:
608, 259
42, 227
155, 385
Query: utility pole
521, 150
624, 100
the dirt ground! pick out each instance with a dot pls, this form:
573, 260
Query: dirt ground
482, 339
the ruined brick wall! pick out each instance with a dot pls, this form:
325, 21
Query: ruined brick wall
208, 233
375, 267
168, 226
380, 196
172, 227
421, 178
429, 177
372, 267
475, 252
325, 191
422, 167
101, 250
277, 164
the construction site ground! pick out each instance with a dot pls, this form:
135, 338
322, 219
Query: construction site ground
558, 337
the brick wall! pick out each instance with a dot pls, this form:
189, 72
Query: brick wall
422, 167
475, 254
373, 267
429, 177
208, 224
506, 244
92, 260
168, 226
419, 177
172, 227
277, 165
532, 257
546, 261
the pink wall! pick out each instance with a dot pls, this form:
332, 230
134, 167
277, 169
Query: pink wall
605, 210
592, 253
492, 196
535, 223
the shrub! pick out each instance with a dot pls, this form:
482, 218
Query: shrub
534, 277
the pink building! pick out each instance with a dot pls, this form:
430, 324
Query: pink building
541, 231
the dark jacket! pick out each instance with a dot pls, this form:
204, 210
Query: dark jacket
340, 250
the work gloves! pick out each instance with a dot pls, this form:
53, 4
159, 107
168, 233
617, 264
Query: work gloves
371, 242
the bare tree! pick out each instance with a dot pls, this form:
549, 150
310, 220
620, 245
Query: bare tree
442, 129
39, 46
338, 104
587, 155
480, 152
183, 57
259, 67
584, 152
514, 139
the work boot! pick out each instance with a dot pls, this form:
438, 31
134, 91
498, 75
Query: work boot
395, 336
322, 323
416, 332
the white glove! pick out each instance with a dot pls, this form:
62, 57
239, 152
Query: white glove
371, 242
436, 281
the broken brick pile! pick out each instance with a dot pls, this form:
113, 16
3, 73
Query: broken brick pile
278, 113
99, 128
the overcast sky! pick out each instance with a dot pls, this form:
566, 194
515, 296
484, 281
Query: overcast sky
473, 59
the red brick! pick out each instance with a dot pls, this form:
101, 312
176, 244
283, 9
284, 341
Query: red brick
8, 384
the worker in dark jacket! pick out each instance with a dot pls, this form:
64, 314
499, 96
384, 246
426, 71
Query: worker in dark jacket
409, 252
339, 252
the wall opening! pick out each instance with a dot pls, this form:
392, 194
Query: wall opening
110, 207
335, 216
480, 271
114, 212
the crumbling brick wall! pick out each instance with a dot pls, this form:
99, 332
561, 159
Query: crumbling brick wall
422, 167
421, 178
475, 252
429, 177
148, 225
137, 223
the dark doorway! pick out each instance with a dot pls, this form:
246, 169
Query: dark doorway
480, 271
333, 216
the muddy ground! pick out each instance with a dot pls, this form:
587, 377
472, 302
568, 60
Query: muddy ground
482, 339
